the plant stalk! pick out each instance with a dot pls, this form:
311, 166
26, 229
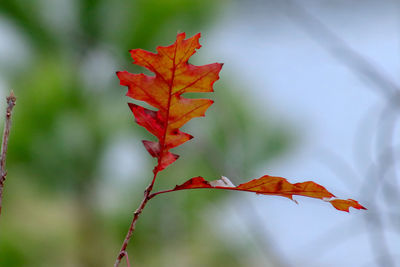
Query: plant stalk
136, 215
11, 99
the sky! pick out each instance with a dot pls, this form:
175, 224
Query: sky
335, 112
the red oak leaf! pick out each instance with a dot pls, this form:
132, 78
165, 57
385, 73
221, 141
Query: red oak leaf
173, 77
271, 185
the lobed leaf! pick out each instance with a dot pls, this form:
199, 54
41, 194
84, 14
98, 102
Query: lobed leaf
271, 185
173, 77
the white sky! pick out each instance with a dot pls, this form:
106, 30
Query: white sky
291, 76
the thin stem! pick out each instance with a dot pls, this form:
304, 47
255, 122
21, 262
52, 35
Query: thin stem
127, 259
11, 99
161, 192
136, 215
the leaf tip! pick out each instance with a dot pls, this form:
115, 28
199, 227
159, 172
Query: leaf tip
197, 36
181, 35
118, 73
132, 51
345, 205
131, 105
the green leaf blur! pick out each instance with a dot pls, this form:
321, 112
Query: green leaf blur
61, 205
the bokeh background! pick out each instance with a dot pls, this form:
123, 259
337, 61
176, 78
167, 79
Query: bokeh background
309, 91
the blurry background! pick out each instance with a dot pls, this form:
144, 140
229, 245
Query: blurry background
309, 91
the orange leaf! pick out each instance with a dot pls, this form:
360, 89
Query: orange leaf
345, 205
173, 77
271, 185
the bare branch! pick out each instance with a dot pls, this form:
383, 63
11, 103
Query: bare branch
11, 99
136, 215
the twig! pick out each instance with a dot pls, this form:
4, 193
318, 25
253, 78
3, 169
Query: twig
127, 259
11, 99
136, 215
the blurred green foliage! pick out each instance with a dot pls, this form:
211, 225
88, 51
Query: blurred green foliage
71, 112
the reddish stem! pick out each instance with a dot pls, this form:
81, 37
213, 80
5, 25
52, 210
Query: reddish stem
127, 259
162, 192
11, 99
136, 215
